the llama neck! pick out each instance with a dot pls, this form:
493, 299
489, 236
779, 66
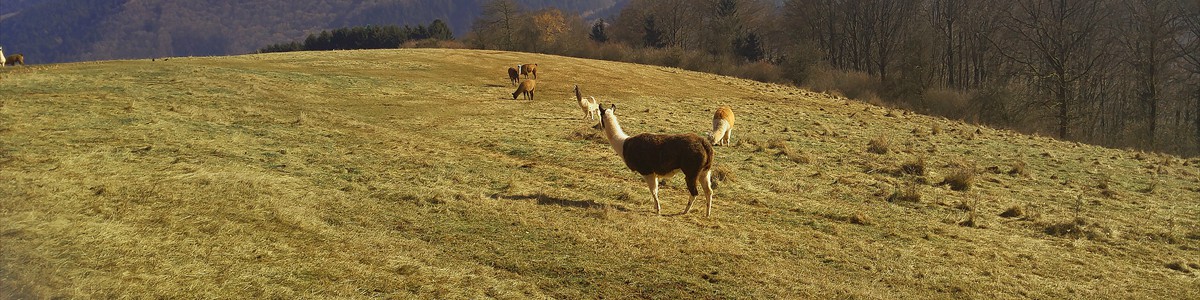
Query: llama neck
616, 136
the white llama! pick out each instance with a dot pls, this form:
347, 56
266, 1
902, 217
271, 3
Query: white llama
722, 126
591, 109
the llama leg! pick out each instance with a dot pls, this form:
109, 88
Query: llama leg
691, 184
652, 181
729, 135
706, 183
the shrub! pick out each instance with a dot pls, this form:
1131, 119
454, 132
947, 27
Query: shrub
946, 102
760, 71
852, 84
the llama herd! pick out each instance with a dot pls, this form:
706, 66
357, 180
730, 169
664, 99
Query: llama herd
654, 156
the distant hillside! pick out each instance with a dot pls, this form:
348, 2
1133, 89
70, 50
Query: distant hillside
65, 30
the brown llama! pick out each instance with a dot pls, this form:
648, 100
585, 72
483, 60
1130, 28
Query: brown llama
526, 89
527, 69
512, 75
13, 60
658, 156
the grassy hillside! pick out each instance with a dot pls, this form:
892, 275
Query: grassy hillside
401, 173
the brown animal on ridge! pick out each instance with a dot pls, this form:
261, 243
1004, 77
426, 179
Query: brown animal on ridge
657, 156
526, 88
527, 69
13, 60
513, 76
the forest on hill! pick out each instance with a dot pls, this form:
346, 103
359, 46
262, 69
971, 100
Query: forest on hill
1117, 73
51, 31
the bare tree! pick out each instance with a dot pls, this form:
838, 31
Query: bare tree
498, 24
1057, 43
1148, 28
1187, 46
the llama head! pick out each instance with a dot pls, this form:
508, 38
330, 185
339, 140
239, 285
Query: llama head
607, 116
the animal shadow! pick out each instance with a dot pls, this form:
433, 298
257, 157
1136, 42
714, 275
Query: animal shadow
491, 85
543, 199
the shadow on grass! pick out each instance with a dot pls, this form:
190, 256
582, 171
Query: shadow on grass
495, 85
543, 199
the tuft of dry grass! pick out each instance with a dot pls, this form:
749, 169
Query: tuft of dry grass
588, 134
787, 152
879, 145
961, 177
860, 219
1020, 168
1015, 211
914, 167
722, 173
1078, 228
1106, 188
1180, 265
909, 193
971, 220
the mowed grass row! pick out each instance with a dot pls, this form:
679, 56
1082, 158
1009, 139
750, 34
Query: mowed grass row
401, 173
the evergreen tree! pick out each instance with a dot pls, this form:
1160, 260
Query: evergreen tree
654, 36
598, 34
439, 30
749, 47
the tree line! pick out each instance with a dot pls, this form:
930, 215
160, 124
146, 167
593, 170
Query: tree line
1118, 73
365, 37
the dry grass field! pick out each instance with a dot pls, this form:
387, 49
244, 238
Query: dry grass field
413, 174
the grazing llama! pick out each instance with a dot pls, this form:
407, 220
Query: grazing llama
513, 75
591, 109
2, 61
722, 126
658, 156
526, 89
527, 69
